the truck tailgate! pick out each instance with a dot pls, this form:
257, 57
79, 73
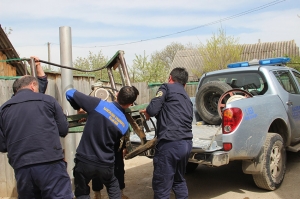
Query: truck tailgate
206, 138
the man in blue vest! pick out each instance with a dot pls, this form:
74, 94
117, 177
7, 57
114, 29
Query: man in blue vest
106, 124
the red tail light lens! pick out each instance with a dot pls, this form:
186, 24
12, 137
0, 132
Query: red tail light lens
227, 146
231, 119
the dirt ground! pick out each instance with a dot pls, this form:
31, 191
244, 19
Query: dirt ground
226, 182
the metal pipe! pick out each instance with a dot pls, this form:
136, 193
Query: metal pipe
124, 67
49, 55
32, 67
25, 68
66, 84
111, 79
122, 74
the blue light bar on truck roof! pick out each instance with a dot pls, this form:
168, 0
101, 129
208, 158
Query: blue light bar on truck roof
270, 61
278, 60
238, 64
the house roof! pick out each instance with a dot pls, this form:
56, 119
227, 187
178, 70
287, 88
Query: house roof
192, 59
7, 48
269, 49
189, 59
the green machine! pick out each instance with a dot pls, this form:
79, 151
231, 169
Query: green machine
107, 91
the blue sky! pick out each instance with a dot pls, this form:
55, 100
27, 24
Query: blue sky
110, 25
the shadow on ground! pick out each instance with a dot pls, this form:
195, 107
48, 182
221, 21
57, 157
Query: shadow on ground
223, 182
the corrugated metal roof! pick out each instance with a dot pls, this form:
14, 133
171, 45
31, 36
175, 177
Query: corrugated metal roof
7, 48
269, 49
192, 59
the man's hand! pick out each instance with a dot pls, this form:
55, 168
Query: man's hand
125, 152
39, 70
81, 111
145, 113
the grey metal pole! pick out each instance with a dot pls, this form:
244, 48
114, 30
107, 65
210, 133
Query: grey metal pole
49, 55
32, 67
66, 84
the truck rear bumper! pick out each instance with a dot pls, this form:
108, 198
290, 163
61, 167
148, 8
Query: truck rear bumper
217, 158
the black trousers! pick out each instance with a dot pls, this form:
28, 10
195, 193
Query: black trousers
84, 173
44, 180
119, 172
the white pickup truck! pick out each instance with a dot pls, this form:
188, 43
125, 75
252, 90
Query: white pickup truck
248, 112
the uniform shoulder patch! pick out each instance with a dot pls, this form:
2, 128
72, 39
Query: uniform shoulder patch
159, 94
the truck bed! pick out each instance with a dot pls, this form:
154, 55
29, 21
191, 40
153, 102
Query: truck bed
206, 138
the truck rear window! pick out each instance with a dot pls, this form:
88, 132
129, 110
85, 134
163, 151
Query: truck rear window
251, 82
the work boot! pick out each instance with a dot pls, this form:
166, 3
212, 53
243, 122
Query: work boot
123, 196
97, 195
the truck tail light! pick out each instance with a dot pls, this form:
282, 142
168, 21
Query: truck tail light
227, 146
231, 119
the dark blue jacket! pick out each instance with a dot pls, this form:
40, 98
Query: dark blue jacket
30, 126
43, 83
173, 110
105, 125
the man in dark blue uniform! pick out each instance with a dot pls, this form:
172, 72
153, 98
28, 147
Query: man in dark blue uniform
30, 126
106, 124
119, 167
173, 110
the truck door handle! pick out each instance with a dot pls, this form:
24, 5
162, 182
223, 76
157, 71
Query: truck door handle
289, 103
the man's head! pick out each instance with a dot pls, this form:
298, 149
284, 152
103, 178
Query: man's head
179, 75
28, 82
127, 95
16, 86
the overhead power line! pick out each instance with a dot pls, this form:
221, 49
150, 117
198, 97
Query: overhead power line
191, 29
201, 26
